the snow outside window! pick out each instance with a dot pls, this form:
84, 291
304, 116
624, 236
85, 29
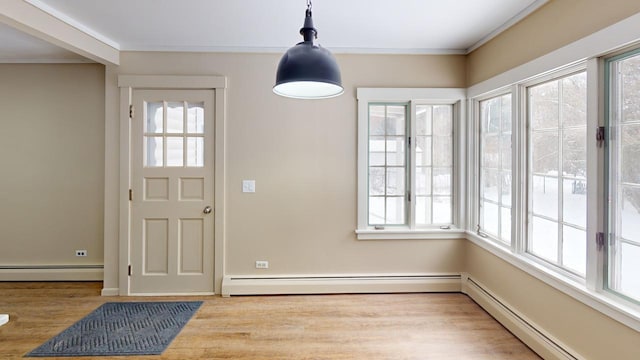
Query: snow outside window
495, 168
556, 174
623, 252
390, 170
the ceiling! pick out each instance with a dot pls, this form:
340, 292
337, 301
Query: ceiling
344, 26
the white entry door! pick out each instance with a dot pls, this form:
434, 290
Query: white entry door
172, 218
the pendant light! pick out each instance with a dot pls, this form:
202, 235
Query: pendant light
308, 71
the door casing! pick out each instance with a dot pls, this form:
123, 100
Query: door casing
127, 85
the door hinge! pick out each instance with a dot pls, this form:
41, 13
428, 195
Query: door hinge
409, 142
600, 136
131, 111
409, 195
130, 195
600, 240
129, 270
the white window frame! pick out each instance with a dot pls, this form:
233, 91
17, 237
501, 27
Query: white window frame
605, 170
524, 159
591, 50
476, 165
413, 96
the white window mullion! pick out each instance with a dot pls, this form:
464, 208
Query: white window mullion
519, 163
595, 175
412, 164
473, 166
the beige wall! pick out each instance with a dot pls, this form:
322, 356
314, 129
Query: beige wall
302, 155
52, 156
588, 332
554, 25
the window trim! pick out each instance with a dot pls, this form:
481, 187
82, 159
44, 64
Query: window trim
452, 96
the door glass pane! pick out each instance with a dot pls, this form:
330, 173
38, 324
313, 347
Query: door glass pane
175, 151
195, 118
377, 120
195, 152
154, 121
175, 117
153, 151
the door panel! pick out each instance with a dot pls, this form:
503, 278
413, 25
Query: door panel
172, 241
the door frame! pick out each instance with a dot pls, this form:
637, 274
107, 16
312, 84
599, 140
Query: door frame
127, 85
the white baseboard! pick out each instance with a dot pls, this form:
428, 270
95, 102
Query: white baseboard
51, 273
339, 284
524, 329
110, 292
4, 318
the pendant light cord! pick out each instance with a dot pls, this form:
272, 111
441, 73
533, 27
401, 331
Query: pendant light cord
309, 5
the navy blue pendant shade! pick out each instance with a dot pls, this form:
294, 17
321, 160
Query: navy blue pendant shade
308, 71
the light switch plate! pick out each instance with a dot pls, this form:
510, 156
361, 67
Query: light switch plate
248, 186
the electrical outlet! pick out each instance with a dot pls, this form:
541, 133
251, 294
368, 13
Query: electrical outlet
262, 264
81, 252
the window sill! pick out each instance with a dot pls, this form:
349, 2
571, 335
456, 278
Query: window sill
628, 315
407, 234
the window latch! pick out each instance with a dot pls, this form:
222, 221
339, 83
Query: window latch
600, 136
600, 240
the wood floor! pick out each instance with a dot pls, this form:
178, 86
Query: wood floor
388, 326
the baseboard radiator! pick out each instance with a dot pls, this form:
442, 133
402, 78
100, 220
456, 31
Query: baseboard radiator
51, 273
524, 329
337, 284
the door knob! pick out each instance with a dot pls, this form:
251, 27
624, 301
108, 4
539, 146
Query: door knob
207, 210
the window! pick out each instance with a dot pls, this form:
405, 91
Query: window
623, 171
556, 174
387, 164
174, 134
406, 160
495, 168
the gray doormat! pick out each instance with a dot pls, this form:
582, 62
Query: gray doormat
121, 328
